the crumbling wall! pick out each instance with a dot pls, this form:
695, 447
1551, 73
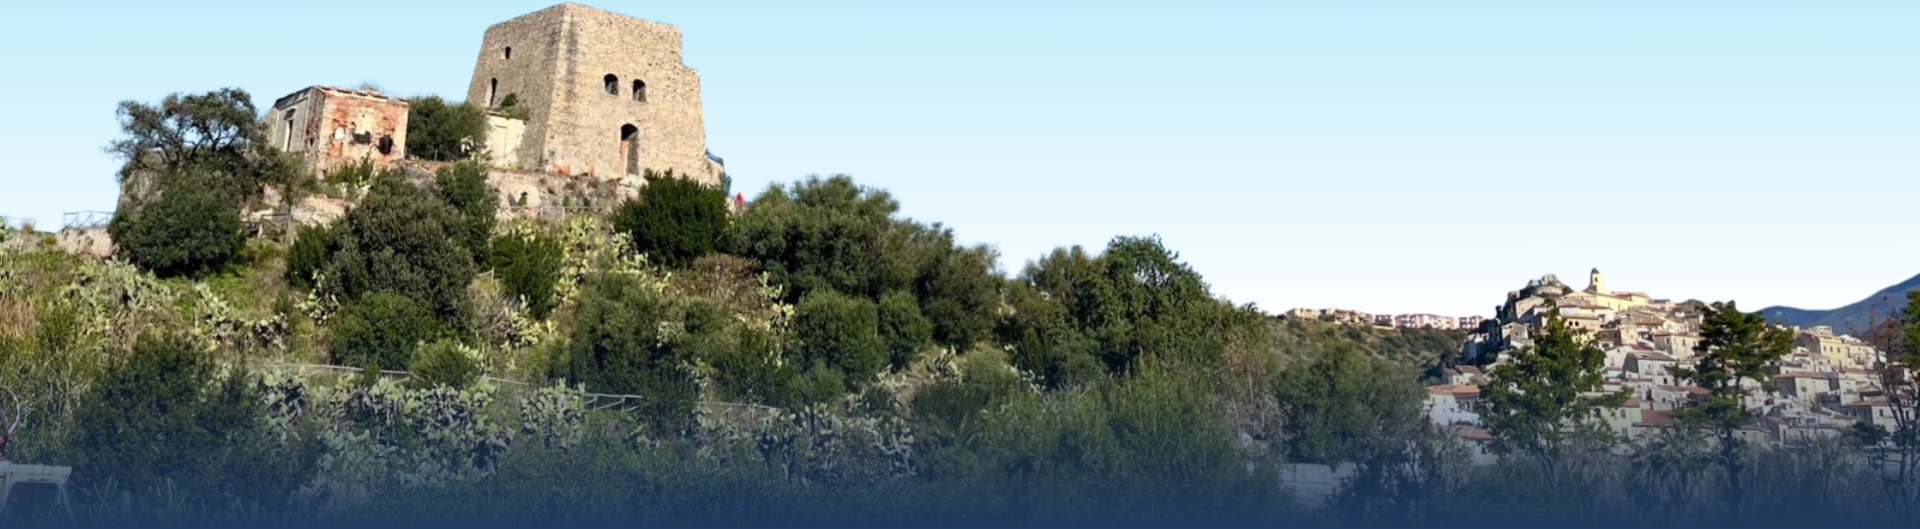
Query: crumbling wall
332, 127
531, 194
358, 126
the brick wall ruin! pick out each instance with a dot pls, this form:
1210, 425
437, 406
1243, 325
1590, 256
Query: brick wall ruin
335, 126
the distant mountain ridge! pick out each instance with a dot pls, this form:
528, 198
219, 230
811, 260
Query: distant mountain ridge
1851, 318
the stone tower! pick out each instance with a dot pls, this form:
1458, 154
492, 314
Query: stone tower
601, 94
1594, 284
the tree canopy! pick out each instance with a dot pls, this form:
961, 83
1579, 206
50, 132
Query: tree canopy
675, 220
1548, 396
408, 241
438, 130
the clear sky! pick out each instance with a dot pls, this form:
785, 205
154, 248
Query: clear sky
1387, 156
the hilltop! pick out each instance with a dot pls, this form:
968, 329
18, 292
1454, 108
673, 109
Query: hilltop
1850, 318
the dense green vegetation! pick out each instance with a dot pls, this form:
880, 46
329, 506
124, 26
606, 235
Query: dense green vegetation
439, 130
816, 358
675, 220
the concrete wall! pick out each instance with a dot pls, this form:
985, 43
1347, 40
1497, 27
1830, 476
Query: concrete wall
504, 138
560, 57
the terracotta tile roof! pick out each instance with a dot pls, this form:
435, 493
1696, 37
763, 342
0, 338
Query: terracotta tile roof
1454, 389
1473, 433
1654, 418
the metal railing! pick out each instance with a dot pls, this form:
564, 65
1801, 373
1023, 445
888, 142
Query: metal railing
85, 219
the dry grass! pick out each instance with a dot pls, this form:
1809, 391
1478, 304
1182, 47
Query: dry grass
18, 319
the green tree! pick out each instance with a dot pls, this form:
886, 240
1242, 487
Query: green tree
404, 240
1738, 353
528, 265
1045, 340
212, 140
903, 328
1548, 397
308, 255
1343, 406
1136, 299
464, 186
841, 332
165, 414
380, 329
748, 367
958, 288
834, 234
438, 130
620, 345
826, 234
675, 220
185, 231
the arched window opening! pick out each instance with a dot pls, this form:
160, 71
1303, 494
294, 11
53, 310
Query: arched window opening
639, 90
493, 89
509, 52
630, 148
613, 84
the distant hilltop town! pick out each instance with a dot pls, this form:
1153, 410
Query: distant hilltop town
1405, 321
1820, 390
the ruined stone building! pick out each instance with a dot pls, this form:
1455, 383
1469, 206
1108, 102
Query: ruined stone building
577, 90
332, 127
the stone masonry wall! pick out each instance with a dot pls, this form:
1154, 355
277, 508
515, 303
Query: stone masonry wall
557, 68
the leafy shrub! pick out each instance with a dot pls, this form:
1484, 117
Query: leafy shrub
1134, 300
821, 383
620, 345
185, 231
403, 240
751, 369
825, 234
834, 234
443, 363
732, 280
958, 288
464, 186
1345, 406
842, 333
438, 130
353, 175
510, 107
164, 414
381, 329
903, 328
528, 264
308, 255
675, 220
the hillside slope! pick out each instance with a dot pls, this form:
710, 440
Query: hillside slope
1850, 318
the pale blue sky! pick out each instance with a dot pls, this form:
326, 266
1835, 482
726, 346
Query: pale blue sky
1389, 156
